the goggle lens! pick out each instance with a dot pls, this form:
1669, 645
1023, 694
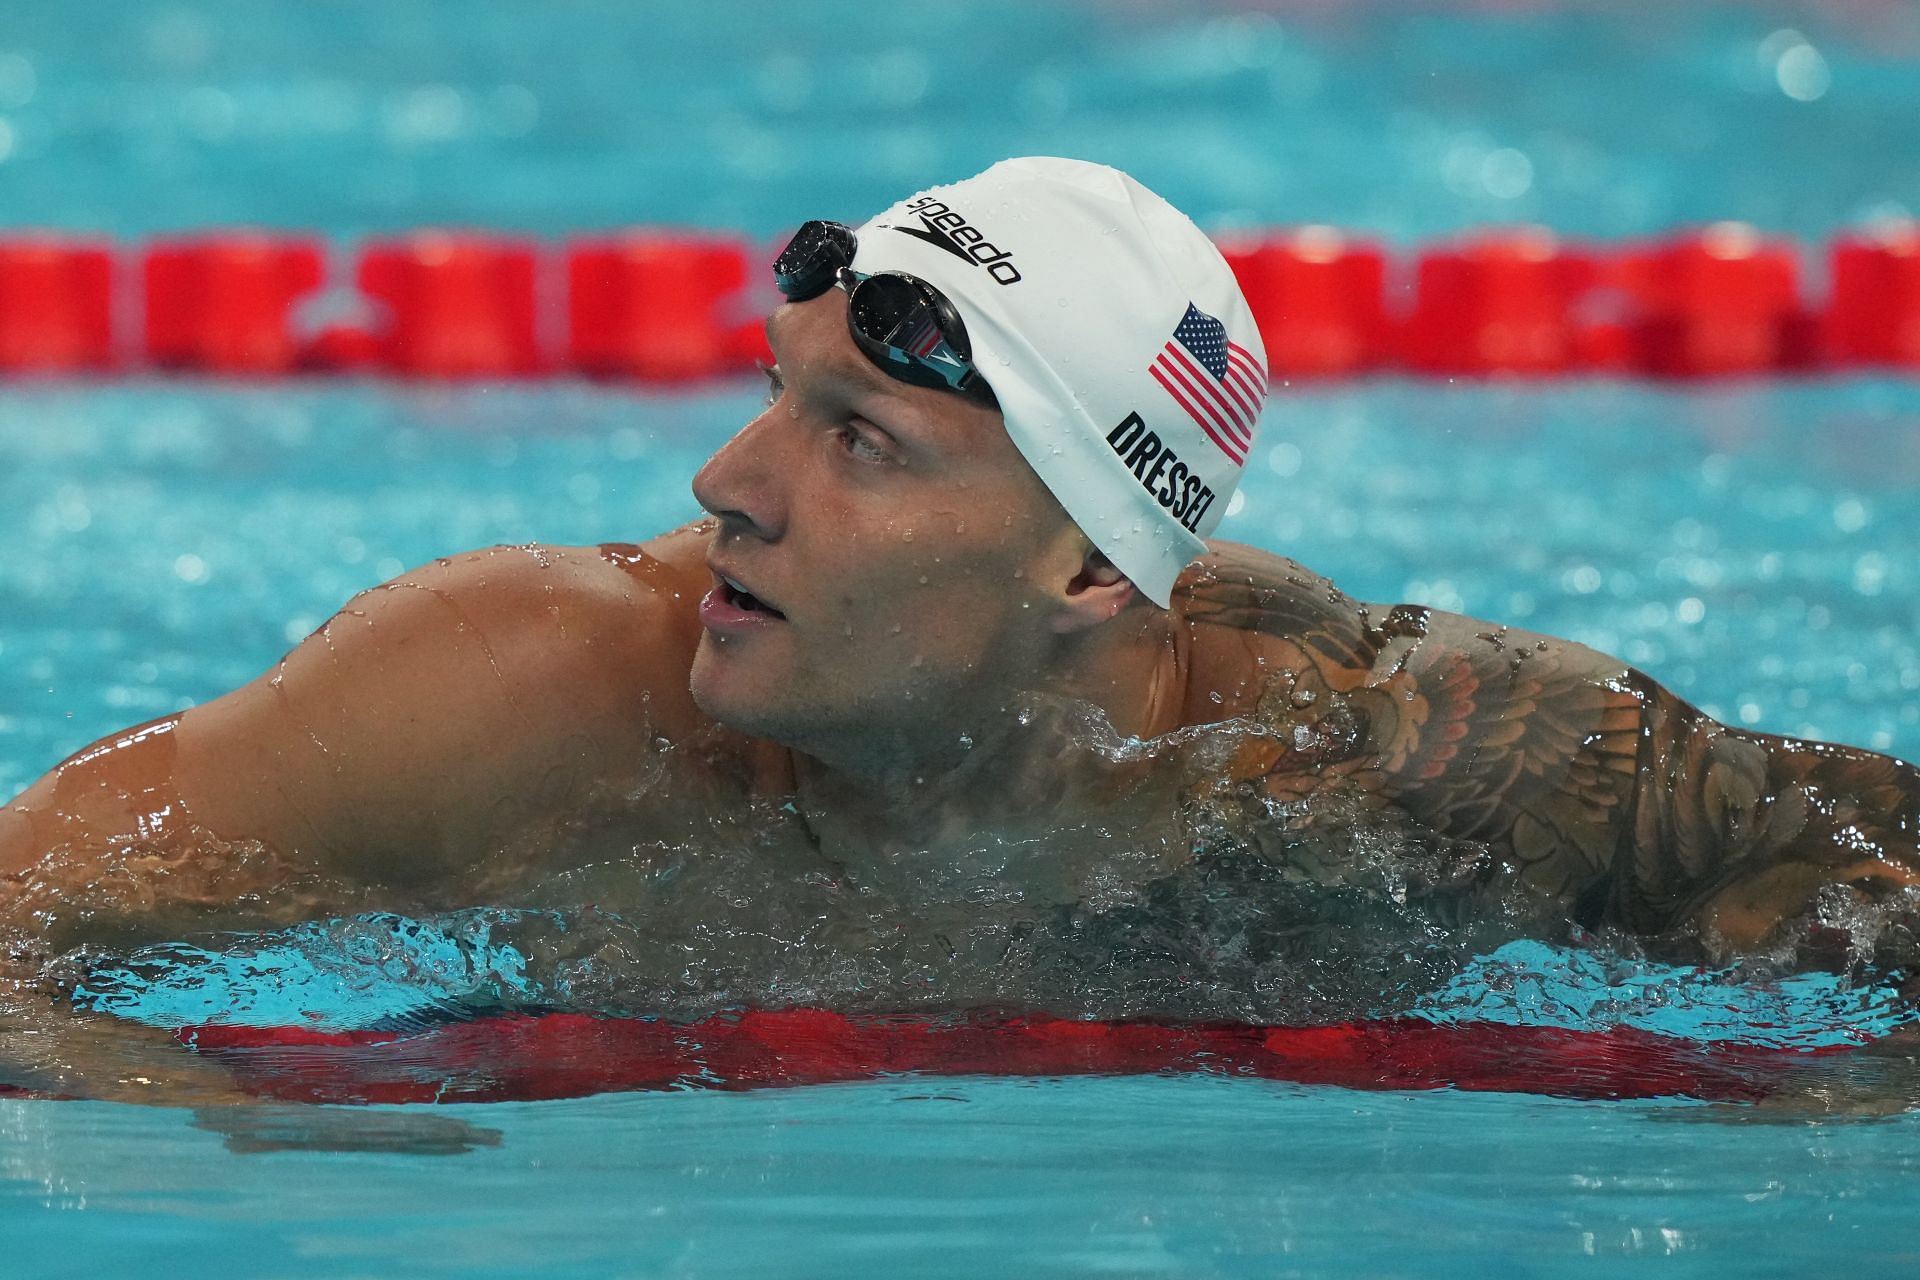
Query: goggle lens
903, 313
903, 324
811, 262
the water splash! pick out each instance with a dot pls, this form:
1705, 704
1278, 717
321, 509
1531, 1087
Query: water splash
1527, 983
1245, 910
373, 971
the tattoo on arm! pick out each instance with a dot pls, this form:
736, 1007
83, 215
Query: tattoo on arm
1597, 785
1745, 827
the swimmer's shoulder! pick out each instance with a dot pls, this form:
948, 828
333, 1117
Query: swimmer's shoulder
1234, 585
1250, 613
614, 626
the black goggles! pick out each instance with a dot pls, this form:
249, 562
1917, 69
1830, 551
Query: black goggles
902, 323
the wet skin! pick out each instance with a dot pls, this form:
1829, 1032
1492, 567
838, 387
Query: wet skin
488, 721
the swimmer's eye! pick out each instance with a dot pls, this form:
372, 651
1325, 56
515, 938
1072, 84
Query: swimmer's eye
856, 443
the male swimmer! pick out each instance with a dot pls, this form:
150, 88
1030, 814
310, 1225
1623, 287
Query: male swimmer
1006, 415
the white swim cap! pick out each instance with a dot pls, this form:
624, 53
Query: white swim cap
1124, 357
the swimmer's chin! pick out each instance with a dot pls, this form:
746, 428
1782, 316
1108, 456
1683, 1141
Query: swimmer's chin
775, 715
717, 694
726, 714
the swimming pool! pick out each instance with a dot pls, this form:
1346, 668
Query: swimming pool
1749, 544
300, 496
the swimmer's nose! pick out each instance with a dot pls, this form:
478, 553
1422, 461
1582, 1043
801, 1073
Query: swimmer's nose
740, 484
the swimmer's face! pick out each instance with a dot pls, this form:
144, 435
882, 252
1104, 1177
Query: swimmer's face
920, 570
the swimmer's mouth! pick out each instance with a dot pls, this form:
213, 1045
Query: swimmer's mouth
740, 598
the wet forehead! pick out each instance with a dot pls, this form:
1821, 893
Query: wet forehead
816, 331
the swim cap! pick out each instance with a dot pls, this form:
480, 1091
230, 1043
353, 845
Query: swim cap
1123, 354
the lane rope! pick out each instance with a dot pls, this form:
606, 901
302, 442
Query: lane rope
665, 306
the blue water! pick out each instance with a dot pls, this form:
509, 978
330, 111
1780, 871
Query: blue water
167, 541
963, 1178
1409, 120
1749, 544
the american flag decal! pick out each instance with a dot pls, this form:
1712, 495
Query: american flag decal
1217, 381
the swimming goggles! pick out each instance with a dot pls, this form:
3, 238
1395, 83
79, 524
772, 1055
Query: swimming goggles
902, 323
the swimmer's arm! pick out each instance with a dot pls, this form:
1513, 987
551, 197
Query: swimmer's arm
1739, 831
1603, 790
1611, 792
1479, 734
397, 746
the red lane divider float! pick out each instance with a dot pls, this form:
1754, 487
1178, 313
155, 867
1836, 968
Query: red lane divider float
660, 305
56, 305
456, 305
1319, 299
1874, 316
1508, 303
657, 307
224, 304
1725, 301
563, 1055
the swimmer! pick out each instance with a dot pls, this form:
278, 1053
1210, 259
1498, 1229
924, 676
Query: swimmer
1005, 418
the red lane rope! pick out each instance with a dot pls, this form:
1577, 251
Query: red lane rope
662, 306
563, 1055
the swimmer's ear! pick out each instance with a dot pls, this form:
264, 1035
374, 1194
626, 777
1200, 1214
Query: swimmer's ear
1094, 595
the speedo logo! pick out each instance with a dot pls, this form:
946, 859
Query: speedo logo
1161, 472
941, 227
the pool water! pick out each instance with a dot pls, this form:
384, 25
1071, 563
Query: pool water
1405, 120
1125, 1177
1749, 544
170, 541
